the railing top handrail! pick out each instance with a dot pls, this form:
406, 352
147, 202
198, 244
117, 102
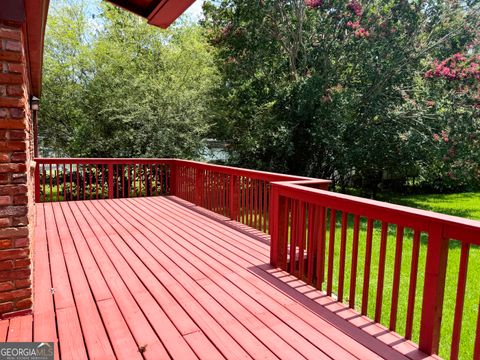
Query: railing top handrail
453, 227
262, 175
99, 160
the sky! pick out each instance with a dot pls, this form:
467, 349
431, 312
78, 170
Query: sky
196, 9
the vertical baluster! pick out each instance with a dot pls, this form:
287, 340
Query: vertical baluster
71, 182
113, 180
122, 179
102, 167
157, 182
301, 247
413, 285
353, 270
293, 231
366, 271
149, 181
156, 179
96, 181
162, 171
462, 283
396, 278
64, 182
57, 167
226, 195
217, 192
91, 180
254, 205
259, 206
211, 190
264, 208
343, 246
128, 181
246, 190
258, 216
331, 250
381, 272
134, 180
250, 202
44, 183
84, 182
311, 242
51, 182
77, 187
141, 173
221, 178
320, 236
242, 200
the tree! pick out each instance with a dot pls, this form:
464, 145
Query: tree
331, 88
125, 89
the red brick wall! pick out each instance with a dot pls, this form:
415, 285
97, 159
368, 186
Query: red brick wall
16, 154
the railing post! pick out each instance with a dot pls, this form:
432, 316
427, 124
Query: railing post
37, 182
110, 181
233, 197
277, 222
199, 187
173, 179
434, 289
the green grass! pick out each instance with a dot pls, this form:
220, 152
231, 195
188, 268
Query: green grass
465, 205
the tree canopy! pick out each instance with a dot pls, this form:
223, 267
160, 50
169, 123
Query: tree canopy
117, 87
344, 89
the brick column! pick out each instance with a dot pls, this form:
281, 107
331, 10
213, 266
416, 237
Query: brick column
16, 177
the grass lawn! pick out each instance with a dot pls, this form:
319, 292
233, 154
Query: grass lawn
465, 205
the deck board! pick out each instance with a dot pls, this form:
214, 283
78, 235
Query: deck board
157, 278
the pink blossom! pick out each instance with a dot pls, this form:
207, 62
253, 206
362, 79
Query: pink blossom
459, 57
353, 25
436, 137
313, 3
444, 136
429, 74
355, 7
362, 33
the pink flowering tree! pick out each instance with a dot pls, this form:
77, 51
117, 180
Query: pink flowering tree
338, 88
453, 88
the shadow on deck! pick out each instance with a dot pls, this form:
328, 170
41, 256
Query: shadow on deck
160, 278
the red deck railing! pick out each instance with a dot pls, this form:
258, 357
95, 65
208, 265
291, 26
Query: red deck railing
242, 195
342, 244
89, 179
305, 226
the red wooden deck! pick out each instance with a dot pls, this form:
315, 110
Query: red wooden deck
159, 278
